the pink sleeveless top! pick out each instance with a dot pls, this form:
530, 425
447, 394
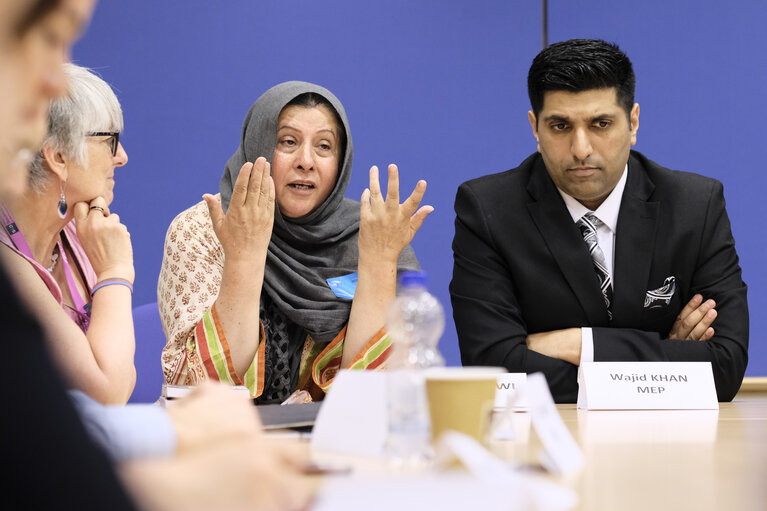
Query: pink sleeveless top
69, 235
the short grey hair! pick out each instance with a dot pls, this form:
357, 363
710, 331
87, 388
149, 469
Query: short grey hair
89, 105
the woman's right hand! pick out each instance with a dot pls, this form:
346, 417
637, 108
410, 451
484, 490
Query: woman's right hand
105, 240
246, 228
244, 233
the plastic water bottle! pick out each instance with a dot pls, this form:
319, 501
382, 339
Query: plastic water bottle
415, 321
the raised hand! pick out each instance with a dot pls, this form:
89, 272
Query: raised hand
105, 240
246, 228
244, 233
695, 320
386, 226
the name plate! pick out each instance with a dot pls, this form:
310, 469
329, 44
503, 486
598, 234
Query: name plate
353, 415
510, 386
646, 386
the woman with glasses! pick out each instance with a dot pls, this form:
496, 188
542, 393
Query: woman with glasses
72, 259
280, 281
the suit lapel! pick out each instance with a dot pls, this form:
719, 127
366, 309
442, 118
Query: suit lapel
634, 246
565, 243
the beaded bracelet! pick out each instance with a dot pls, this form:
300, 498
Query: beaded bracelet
111, 282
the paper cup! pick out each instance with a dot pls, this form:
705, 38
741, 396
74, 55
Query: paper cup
461, 399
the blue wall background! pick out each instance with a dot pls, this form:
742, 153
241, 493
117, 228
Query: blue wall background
438, 87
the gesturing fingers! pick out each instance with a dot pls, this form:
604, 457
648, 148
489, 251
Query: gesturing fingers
412, 202
256, 183
388, 226
365, 202
240, 190
392, 187
215, 210
375, 187
417, 220
266, 187
271, 195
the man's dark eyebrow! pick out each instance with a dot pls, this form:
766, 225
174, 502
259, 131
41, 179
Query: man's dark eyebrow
557, 118
600, 117
562, 118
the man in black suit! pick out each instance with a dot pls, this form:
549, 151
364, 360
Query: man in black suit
590, 251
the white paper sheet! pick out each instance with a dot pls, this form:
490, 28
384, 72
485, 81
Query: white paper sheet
353, 415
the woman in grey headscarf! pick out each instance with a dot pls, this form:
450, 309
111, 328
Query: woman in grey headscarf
279, 298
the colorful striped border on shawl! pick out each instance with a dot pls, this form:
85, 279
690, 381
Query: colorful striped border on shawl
216, 357
371, 357
254, 376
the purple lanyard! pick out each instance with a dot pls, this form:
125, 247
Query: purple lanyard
81, 309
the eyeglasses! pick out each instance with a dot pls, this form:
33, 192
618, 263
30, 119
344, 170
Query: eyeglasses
113, 143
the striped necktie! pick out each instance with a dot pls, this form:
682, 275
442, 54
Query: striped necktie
588, 225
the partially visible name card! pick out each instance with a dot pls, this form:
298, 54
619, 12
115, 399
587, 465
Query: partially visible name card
561, 454
646, 386
353, 418
510, 387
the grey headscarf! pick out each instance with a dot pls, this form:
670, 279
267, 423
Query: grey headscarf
305, 251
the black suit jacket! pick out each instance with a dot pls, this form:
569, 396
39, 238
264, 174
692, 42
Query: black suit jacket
521, 266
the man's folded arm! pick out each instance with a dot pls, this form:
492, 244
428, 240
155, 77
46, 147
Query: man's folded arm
717, 276
490, 328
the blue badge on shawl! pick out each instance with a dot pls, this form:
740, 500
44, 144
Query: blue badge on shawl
344, 286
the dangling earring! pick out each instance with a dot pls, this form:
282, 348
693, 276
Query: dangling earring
62, 207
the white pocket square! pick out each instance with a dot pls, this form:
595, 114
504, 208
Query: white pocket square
661, 297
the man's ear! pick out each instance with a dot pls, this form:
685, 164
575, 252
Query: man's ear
634, 118
55, 162
534, 125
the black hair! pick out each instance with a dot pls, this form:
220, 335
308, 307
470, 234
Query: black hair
34, 14
578, 65
313, 100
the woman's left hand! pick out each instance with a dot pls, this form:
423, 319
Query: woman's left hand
386, 226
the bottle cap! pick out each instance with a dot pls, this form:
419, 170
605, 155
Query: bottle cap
413, 279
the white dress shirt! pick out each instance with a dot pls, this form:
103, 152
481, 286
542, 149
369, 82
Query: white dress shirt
607, 212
